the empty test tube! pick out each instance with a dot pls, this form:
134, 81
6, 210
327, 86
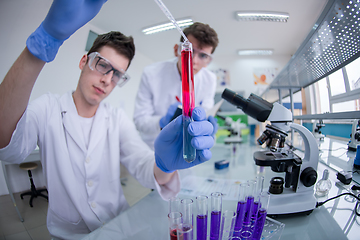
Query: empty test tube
201, 217
188, 99
227, 225
216, 206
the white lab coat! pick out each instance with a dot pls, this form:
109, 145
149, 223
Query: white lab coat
83, 184
160, 84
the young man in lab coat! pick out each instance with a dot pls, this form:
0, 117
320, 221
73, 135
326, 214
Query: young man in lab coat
160, 86
81, 139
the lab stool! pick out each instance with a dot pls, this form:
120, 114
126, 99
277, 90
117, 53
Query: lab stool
34, 193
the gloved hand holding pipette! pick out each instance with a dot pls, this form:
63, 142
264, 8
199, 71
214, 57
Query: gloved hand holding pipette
63, 19
170, 113
169, 144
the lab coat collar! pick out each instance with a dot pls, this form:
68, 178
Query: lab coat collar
72, 125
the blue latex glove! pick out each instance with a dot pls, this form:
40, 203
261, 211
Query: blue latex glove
170, 113
214, 123
62, 20
169, 144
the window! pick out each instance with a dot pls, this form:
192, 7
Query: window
344, 94
353, 74
337, 85
323, 93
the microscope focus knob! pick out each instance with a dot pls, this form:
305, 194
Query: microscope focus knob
308, 177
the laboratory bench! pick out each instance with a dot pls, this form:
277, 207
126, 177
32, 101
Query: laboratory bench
336, 219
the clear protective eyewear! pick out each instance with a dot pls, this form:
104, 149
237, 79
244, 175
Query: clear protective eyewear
103, 66
204, 57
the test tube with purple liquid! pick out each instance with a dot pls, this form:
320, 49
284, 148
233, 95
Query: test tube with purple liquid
201, 217
186, 228
240, 211
258, 189
261, 216
246, 228
216, 206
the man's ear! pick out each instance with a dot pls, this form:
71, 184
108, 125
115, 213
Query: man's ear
82, 62
176, 52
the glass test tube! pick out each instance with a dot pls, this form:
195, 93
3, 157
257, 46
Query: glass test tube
175, 218
258, 189
216, 206
240, 211
201, 218
188, 99
186, 227
246, 228
184, 233
261, 217
174, 204
227, 225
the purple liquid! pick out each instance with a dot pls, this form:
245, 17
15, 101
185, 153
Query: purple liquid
259, 224
249, 206
215, 225
254, 212
240, 213
201, 228
188, 233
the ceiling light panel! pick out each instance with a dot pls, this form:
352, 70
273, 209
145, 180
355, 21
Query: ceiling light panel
167, 26
262, 16
249, 52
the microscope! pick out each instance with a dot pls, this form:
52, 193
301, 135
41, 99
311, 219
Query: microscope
234, 127
317, 130
355, 135
295, 192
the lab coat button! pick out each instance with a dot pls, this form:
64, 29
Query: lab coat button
87, 160
93, 205
90, 183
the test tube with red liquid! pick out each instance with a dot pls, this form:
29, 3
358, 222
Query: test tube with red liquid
188, 98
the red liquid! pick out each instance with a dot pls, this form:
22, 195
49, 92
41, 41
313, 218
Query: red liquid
173, 234
187, 77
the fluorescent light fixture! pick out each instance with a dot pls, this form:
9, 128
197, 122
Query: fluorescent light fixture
262, 16
247, 52
167, 26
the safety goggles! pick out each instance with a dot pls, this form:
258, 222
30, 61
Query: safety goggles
103, 66
203, 57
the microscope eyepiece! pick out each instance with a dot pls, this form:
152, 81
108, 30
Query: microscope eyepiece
235, 99
254, 106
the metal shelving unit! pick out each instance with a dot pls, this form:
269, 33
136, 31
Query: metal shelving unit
333, 42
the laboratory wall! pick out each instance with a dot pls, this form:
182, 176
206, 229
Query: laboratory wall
241, 70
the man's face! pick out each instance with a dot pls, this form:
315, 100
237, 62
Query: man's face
198, 63
95, 86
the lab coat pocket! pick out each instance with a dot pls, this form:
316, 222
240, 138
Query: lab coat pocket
65, 213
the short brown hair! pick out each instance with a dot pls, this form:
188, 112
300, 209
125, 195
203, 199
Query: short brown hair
203, 33
122, 44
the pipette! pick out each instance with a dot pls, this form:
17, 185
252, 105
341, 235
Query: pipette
171, 18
